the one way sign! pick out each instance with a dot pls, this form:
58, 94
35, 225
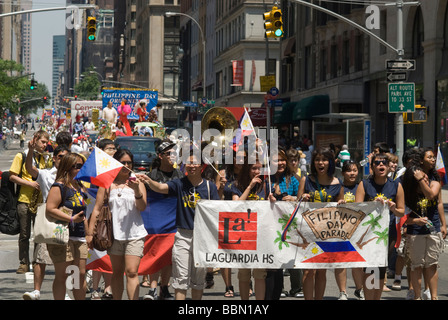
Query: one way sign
396, 76
397, 65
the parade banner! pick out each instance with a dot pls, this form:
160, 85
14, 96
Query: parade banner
248, 234
132, 96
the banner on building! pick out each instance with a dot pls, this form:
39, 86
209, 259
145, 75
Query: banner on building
238, 73
248, 234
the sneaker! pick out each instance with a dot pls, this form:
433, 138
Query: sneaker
396, 286
359, 294
152, 294
298, 294
165, 294
284, 294
426, 295
410, 295
95, 295
33, 295
22, 269
67, 297
107, 296
343, 295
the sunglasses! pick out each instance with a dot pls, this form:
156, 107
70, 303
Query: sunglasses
126, 163
378, 162
77, 166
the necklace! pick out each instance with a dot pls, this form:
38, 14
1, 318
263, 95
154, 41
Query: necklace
119, 190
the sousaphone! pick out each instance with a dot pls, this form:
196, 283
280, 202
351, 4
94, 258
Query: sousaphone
219, 118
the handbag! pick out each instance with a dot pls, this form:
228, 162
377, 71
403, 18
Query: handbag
103, 236
48, 229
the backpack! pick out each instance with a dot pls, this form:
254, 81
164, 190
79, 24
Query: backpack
9, 219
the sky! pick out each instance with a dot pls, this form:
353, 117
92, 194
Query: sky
44, 26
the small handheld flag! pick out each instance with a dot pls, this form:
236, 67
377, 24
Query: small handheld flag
100, 169
440, 167
291, 219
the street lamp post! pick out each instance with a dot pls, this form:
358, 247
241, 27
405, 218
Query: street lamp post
170, 14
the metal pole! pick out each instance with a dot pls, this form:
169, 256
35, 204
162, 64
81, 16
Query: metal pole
399, 138
47, 9
169, 14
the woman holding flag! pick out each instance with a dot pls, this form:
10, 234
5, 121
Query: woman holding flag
426, 226
68, 196
127, 198
320, 186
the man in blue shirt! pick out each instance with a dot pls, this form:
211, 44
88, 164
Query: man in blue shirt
188, 191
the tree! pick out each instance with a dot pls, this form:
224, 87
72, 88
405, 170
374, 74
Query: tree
15, 89
89, 87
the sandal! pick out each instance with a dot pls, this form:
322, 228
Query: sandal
229, 292
145, 284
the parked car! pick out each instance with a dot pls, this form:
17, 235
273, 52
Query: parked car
143, 149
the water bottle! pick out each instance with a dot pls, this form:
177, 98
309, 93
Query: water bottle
363, 162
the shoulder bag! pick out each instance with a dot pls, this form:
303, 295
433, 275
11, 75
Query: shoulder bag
48, 229
103, 236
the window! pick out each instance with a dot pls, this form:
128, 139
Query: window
323, 64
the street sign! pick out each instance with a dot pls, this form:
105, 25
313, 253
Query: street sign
274, 91
396, 76
267, 82
398, 65
401, 97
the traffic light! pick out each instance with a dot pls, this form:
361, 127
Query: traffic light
76, 97
420, 114
274, 23
267, 16
277, 22
44, 99
91, 28
33, 84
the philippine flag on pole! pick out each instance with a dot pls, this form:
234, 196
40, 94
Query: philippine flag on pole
246, 129
100, 169
440, 167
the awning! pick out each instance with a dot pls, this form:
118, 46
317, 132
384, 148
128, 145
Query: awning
286, 113
309, 107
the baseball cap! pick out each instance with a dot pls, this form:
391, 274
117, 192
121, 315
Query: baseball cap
165, 146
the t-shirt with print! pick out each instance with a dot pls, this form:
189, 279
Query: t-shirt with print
256, 193
76, 201
329, 192
187, 197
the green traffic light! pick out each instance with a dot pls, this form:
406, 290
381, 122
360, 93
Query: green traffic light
91, 37
278, 32
32, 87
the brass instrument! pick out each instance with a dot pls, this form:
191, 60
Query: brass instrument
219, 118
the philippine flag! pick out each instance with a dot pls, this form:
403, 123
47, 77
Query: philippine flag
440, 167
159, 219
332, 252
100, 169
246, 129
